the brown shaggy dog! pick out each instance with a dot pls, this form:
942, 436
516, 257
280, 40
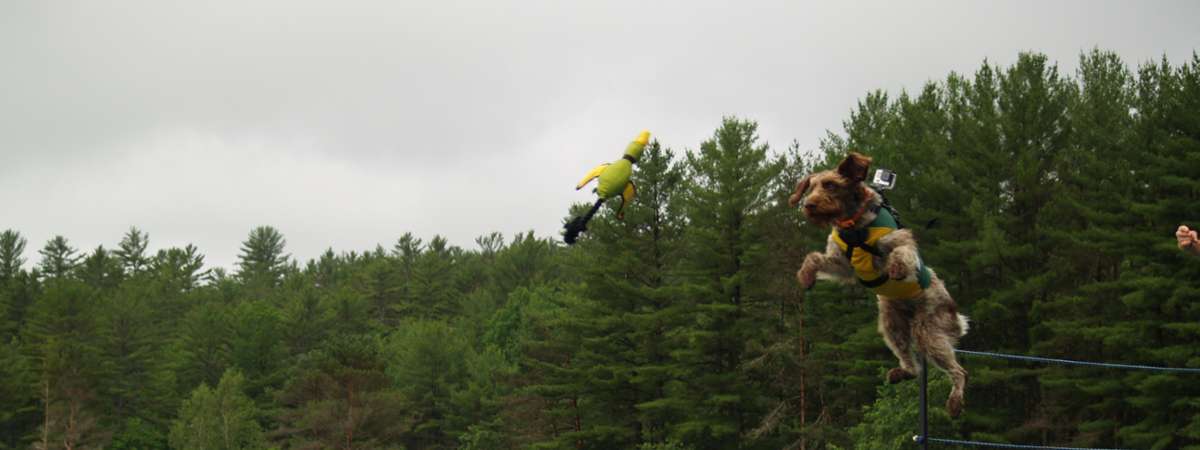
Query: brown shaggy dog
914, 307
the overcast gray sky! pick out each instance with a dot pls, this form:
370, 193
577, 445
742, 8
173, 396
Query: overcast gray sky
346, 124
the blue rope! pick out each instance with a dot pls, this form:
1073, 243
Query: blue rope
1045, 360
999, 445
1080, 363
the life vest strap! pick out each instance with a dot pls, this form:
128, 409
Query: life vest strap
883, 278
857, 238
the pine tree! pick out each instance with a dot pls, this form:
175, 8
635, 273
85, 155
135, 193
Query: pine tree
100, 270
12, 246
257, 346
203, 346
58, 258
262, 261
339, 398
18, 408
12, 306
135, 381
131, 251
620, 365
435, 279
1160, 325
1088, 226
179, 269
727, 191
376, 282
426, 361
61, 344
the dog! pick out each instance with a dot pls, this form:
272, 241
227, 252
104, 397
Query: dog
866, 243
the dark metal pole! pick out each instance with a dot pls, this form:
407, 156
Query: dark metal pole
924, 438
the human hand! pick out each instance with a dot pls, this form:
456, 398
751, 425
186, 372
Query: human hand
1187, 239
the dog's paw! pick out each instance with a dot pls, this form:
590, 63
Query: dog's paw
898, 270
807, 277
954, 406
897, 375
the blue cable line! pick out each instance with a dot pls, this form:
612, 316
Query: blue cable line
999, 445
926, 439
1080, 363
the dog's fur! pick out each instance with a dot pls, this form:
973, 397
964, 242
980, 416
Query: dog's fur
930, 321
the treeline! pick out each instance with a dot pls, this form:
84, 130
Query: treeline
1046, 201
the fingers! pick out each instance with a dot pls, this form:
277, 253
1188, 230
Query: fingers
1186, 237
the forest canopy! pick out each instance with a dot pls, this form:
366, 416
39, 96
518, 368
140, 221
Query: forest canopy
1046, 201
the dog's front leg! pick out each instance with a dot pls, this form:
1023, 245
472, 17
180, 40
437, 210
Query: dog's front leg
830, 263
901, 250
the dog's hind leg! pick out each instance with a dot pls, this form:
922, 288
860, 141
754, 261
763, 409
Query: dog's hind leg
940, 351
895, 324
937, 330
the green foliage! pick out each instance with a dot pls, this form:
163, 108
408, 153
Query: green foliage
218, 418
131, 252
138, 435
893, 419
60, 340
17, 405
58, 258
262, 262
12, 246
427, 363
339, 397
203, 346
1045, 201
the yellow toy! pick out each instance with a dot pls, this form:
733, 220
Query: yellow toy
614, 181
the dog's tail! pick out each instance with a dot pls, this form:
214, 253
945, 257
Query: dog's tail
963, 325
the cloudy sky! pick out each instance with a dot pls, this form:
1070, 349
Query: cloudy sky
346, 124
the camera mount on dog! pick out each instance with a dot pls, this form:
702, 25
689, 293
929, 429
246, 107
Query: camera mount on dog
883, 180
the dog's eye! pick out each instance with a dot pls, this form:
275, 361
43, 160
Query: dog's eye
829, 185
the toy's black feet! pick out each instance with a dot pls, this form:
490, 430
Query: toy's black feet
573, 228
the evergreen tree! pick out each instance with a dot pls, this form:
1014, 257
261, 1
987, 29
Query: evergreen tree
135, 382
203, 346
12, 246
61, 340
257, 346
426, 362
100, 270
376, 283
12, 305
434, 281
627, 315
1046, 203
306, 320
18, 410
728, 188
1160, 325
58, 258
131, 251
180, 269
340, 398
262, 260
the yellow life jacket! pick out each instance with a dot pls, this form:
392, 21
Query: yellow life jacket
859, 246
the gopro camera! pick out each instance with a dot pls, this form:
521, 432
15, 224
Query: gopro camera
884, 179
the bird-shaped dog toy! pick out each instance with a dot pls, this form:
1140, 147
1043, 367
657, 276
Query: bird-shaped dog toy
614, 181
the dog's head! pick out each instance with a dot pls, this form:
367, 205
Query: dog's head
830, 195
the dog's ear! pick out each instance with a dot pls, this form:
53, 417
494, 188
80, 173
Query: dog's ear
801, 188
854, 167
